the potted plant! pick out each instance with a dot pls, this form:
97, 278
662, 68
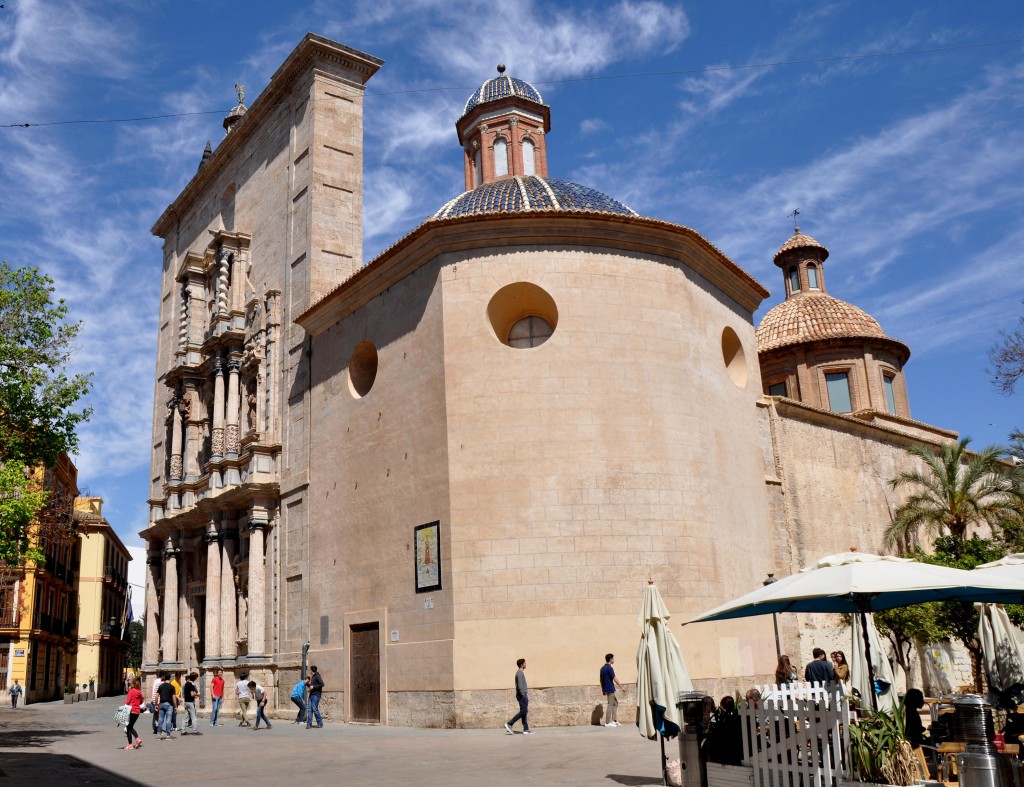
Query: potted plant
69, 694
880, 751
92, 687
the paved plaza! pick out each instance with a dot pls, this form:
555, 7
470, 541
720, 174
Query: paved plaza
58, 744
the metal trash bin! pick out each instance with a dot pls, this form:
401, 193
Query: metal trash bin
691, 704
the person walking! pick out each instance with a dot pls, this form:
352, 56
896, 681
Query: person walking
608, 684
176, 682
259, 694
217, 693
522, 698
299, 698
190, 693
154, 700
168, 702
244, 698
15, 692
316, 687
134, 700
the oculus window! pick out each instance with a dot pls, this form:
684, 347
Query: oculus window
530, 331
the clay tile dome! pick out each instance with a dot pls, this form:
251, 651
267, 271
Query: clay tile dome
800, 241
502, 86
531, 193
817, 317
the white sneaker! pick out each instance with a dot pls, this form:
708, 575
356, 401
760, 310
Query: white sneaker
508, 729
527, 732
610, 724
616, 724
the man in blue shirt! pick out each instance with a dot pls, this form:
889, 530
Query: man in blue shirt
299, 698
608, 684
820, 670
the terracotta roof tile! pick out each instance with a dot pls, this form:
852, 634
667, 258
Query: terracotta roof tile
813, 317
799, 241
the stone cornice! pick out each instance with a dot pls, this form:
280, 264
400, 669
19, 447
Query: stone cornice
311, 50
536, 228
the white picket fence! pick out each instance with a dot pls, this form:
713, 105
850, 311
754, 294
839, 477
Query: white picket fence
798, 737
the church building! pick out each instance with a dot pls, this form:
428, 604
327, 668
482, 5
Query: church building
479, 445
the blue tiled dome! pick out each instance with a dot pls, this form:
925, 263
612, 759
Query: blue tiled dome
529, 193
502, 86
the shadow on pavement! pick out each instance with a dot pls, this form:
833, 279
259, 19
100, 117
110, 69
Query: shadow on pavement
35, 738
633, 781
32, 768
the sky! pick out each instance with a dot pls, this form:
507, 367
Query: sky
896, 129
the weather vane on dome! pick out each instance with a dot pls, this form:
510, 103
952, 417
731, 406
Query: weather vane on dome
794, 214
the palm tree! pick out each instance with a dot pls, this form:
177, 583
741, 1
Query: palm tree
955, 490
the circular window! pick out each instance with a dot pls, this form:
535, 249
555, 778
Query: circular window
732, 355
362, 369
522, 315
530, 331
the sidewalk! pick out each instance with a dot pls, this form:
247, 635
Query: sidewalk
54, 743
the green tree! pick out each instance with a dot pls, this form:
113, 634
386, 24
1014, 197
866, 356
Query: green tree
20, 501
38, 415
911, 627
960, 618
956, 490
136, 638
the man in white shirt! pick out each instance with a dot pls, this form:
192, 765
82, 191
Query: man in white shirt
244, 698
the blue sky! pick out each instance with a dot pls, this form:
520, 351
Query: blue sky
909, 168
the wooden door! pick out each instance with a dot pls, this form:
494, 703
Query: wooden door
364, 672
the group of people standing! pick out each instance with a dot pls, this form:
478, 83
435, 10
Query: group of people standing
170, 693
818, 670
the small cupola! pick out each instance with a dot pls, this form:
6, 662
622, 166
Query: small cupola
801, 259
502, 131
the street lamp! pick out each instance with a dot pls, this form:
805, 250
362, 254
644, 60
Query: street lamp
775, 618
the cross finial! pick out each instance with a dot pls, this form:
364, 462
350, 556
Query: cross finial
240, 90
793, 215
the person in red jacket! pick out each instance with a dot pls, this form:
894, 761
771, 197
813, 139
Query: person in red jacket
134, 700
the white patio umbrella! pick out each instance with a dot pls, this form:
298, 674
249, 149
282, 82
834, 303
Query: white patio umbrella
1011, 567
861, 672
856, 582
661, 672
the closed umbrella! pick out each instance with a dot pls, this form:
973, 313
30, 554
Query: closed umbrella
1003, 657
860, 671
661, 672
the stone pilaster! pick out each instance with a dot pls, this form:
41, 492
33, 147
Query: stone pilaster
211, 647
176, 439
154, 560
232, 408
257, 584
217, 433
228, 606
170, 609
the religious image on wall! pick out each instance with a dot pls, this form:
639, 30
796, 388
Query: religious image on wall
428, 557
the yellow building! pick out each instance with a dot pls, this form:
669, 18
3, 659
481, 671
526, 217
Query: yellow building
37, 603
102, 600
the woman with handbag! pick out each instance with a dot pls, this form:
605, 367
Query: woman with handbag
134, 702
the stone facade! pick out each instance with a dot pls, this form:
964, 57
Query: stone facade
570, 393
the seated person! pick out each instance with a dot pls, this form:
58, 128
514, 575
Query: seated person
725, 738
913, 727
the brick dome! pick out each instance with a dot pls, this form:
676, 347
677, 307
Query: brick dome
800, 241
812, 317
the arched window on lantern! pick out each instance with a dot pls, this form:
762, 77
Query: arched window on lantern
812, 277
528, 157
478, 172
500, 157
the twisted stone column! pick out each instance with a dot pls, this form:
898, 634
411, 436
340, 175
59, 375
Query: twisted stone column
228, 607
257, 588
217, 433
170, 612
152, 645
211, 647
